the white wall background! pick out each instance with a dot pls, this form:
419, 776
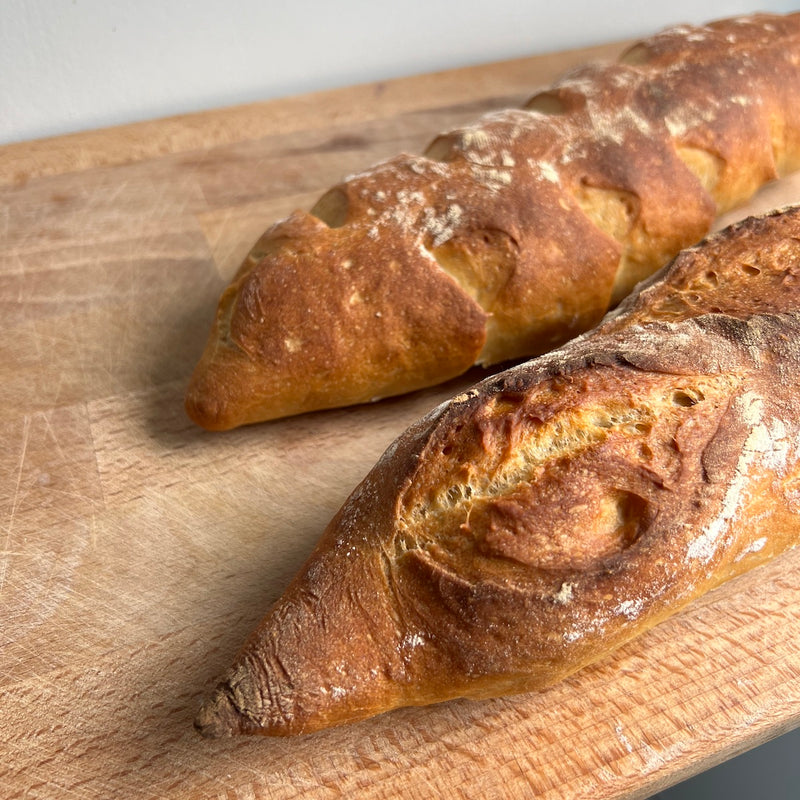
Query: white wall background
68, 65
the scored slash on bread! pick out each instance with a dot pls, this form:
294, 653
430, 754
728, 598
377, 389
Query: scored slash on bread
555, 511
509, 237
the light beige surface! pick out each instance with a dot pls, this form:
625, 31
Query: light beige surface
137, 552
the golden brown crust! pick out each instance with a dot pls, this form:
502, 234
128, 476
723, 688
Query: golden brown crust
508, 237
323, 334
556, 510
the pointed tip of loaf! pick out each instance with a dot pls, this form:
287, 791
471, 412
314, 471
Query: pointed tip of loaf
203, 402
327, 653
199, 412
218, 717
217, 395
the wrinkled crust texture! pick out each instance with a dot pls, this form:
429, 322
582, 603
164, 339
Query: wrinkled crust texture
508, 237
533, 524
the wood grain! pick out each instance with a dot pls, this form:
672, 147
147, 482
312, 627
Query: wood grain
137, 552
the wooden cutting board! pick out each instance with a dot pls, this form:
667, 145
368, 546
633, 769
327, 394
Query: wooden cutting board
137, 552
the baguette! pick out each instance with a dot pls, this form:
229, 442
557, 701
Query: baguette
555, 511
507, 238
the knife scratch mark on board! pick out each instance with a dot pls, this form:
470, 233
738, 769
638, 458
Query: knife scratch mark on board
5, 222
26, 427
51, 432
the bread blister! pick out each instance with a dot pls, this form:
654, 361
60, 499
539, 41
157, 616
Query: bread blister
555, 511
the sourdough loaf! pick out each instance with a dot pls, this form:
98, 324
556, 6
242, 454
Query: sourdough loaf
506, 238
556, 510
